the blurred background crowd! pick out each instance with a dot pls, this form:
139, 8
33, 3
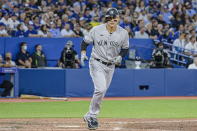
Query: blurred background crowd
156, 19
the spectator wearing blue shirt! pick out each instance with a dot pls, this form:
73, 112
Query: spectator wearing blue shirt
20, 31
55, 32
167, 16
31, 32
36, 22
189, 10
126, 23
139, 25
87, 15
180, 30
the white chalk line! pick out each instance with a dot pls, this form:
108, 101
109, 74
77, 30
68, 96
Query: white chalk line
151, 122
141, 122
68, 126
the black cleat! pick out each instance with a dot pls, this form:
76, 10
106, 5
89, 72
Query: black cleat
92, 122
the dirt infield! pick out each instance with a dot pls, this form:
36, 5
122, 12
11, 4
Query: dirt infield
88, 99
76, 124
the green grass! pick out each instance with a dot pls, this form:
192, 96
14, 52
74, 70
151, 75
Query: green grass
110, 109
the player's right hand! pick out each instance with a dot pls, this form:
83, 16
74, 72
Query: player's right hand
83, 58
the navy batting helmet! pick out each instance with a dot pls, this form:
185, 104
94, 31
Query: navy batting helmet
111, 13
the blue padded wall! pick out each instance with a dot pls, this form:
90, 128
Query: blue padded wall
43, 82
180, 82
152, 78
126, 82
122, 83
78, 83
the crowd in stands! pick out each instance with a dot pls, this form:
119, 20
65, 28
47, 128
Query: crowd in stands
173, 21
156, 19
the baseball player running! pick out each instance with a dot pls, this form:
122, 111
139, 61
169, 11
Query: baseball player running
110, 44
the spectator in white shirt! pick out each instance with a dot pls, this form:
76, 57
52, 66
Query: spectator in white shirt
191, 47
13, 22
179, 44
44, 31
67, 32
194, 64
3, 32
141, 33
5, 19
8, 60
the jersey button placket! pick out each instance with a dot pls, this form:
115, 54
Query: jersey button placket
108, 46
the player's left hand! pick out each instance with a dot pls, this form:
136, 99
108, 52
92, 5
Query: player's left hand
117, 60
83, 58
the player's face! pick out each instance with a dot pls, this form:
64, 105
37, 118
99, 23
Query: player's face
113, 21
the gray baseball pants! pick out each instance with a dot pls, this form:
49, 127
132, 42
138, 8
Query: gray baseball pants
101, 76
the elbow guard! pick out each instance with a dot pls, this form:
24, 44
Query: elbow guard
84, 45
124, 52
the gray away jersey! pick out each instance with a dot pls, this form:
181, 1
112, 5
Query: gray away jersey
106, 45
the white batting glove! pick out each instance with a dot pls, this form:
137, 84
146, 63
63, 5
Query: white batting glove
83, 58
117, 60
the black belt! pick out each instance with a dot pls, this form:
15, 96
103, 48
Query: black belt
103, 62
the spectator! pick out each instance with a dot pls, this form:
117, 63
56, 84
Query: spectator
8, 60
187, 38
67, 31
38, 57
31, 32
59, 24
7, 86
5, 19
142, 33
179, 44
1, 61
69, 57
44, 31
180, 30
139, 12
140, 6
20, 31
167, 16
86, 28
3, 32
77, 31
87, 15
126, 22
13, 22
154, 31
194, 64
131, 35
168, 34
23, 57
95, 21
191, 47
36, 23
54, 31
26, 23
